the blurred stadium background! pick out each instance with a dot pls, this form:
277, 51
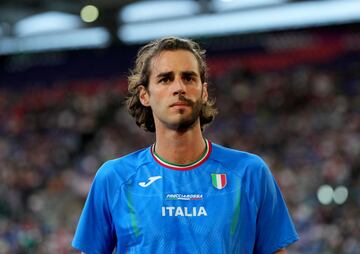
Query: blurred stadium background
286, 75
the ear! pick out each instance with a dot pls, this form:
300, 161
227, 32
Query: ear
144, 96
205, 94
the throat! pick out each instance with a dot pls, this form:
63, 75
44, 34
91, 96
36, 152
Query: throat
185, 159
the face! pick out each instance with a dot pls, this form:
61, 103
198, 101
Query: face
175, 92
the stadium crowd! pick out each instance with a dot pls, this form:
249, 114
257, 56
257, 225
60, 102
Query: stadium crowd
304, 120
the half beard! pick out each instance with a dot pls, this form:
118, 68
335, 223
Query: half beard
188, 123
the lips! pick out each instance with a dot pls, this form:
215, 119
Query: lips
180, 103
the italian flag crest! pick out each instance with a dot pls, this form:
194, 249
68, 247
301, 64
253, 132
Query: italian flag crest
218, 180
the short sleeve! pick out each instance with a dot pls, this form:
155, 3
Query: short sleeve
95, 232
274, 227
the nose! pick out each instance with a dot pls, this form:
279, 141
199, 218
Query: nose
178, 87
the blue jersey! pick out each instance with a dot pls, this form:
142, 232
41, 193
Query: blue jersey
226, 202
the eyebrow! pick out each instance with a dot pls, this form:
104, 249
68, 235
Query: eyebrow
189, 73
164, 74
169, 73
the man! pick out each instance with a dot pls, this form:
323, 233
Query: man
183, 194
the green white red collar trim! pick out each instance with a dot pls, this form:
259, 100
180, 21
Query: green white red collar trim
189, 166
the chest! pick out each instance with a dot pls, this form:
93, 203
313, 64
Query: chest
205, 205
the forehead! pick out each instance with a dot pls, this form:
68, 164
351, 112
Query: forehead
173, 61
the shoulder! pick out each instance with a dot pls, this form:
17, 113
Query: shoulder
121, 169
251, 168
254, 174
234, 158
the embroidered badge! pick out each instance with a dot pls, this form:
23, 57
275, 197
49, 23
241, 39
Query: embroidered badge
218, 180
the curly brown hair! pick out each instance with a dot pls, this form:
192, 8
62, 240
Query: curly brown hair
140, 74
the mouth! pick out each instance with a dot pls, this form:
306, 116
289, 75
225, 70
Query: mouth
180, 104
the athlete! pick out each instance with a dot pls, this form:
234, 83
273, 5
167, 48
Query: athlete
183, 194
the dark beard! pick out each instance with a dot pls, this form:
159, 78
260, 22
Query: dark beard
188, 123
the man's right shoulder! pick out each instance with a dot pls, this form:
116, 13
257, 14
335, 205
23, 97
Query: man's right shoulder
124, 167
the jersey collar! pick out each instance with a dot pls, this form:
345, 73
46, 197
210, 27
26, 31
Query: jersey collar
189, 166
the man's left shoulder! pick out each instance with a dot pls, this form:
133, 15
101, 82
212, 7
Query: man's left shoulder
231, 156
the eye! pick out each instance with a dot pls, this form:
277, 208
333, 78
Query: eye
189, 78
164, 80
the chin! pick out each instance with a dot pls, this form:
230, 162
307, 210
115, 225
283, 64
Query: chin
183, 124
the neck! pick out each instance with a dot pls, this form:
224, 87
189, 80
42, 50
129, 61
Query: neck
180, 147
